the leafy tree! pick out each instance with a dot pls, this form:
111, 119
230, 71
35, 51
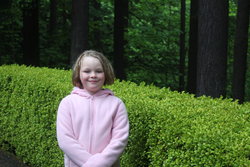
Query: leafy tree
182, 46
152, 51
53, 17
10, 32
153, 42
101, 26
55, 44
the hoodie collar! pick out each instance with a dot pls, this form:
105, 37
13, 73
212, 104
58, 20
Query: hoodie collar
84, 93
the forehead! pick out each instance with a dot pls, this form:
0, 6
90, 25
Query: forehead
90, 61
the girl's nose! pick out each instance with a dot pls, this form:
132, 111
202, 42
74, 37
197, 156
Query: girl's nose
93, 74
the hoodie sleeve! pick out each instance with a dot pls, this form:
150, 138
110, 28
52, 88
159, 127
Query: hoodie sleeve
114, 149
65, 136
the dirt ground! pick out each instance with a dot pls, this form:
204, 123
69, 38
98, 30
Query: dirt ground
9, 160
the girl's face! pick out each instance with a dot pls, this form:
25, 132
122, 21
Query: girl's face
92, 75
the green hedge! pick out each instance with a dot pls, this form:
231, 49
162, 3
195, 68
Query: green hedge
167, 128
200, 132
28, 105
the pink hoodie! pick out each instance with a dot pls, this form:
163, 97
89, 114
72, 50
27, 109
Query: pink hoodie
92, 130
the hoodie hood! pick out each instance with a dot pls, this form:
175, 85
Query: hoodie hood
84, 93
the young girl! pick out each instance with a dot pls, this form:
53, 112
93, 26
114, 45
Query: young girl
92, 123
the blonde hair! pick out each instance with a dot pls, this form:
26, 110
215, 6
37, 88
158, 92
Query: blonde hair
106, 65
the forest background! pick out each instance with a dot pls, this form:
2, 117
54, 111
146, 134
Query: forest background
158, 42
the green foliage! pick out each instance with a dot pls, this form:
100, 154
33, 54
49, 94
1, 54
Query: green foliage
101, 26
153, 43
10, 32
152, 49
141, 102
200, 132
167, 128
54, 41
29, 101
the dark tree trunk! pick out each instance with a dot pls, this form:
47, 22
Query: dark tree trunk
64, 13
240, 50
193, 46
212, 47
182, 46
4, 4
97, 43
120, 27
31, 33
79, 34
53, 17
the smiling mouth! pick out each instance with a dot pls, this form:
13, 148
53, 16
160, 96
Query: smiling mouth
93, 81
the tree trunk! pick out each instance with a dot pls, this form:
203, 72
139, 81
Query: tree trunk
53, 17
182, 46
212, 47
120, 27
5, 4
97, 35
79, 34
31, 33
193, 46
240, 50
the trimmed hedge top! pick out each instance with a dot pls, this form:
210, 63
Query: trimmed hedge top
167, 128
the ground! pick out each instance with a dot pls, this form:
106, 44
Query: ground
9, 160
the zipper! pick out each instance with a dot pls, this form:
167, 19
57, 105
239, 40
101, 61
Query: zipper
91, 129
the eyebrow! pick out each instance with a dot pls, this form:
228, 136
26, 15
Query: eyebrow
87, 68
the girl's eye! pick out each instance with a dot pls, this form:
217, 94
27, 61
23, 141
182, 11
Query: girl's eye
86, 71
99, 71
